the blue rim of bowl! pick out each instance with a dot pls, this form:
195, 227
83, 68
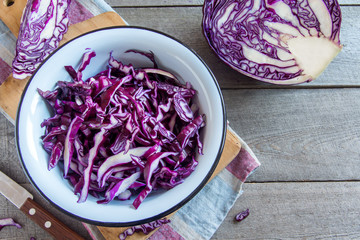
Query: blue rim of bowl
164, 213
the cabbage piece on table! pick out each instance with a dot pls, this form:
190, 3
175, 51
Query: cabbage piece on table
8, 222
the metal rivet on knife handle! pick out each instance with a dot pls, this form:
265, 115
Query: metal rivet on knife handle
48, 222
32, 211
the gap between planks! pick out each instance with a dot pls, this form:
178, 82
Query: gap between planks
295, 211
185, 25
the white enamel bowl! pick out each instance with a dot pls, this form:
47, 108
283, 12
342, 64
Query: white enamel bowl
171, 55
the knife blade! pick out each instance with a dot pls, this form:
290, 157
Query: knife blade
23, 200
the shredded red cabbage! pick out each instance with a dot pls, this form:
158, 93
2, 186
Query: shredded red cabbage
8, 222
145, 228
124, 132
242, 215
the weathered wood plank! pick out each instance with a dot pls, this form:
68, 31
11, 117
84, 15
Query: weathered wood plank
9, 161
349, 2
277, 211
161, 3
299, 134
158, 3
184, 23
295, 211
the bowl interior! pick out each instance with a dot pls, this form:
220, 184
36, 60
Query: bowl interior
171, 55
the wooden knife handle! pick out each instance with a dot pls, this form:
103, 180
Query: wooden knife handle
48, 222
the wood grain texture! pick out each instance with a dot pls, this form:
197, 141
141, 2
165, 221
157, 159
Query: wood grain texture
157, 3
299, 134
11, 15
107, 19
10, 94
184, 23
9, 161
323, 210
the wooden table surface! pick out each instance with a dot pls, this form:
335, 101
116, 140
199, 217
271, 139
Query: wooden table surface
307, 137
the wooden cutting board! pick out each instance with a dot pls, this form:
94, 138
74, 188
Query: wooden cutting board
11, 90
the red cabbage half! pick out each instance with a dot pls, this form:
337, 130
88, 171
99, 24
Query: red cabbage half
42, 26
124, 132
275, 41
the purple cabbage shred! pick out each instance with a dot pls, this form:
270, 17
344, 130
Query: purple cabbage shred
8, 222
242, 215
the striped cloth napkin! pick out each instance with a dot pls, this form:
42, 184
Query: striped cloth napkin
200, 217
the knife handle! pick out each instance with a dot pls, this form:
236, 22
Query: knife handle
48, 222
